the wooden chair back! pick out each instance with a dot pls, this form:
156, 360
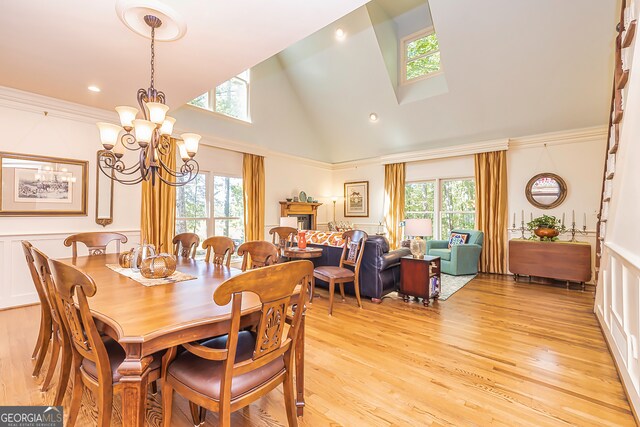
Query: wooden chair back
274, 286
222, 248
36, 276
257, 253
285, 237
353, 249
73, 285
185, 245
95, 242
41, 262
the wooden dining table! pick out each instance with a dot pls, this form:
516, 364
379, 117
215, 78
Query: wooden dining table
147, 319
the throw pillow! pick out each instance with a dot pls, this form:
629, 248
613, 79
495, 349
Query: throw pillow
458, 239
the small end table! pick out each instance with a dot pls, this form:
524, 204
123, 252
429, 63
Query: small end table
306, 253
420, 277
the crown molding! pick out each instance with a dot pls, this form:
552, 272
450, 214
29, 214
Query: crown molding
355, 164
574, 136
26, 101
454, 151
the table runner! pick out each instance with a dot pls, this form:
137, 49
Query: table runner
177, 276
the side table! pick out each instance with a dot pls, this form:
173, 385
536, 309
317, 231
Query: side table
420, 277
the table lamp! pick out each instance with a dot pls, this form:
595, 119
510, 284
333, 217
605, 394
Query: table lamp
418, 228
289, 221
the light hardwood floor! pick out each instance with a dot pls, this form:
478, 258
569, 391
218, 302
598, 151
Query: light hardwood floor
495, 353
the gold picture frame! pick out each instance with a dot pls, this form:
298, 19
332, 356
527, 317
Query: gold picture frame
356, 199
33, 185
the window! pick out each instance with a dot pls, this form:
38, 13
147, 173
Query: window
211, 206
458, 205
192, 208
228, 208
231, 98
420, 200
420, 55
449, 203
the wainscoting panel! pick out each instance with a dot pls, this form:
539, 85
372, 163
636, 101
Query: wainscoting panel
16, 287
617, 308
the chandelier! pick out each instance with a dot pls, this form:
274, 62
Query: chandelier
151, 136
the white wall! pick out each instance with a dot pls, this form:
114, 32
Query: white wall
618, 294
579, 164
65, 134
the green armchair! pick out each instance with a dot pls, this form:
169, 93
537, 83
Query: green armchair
460, 259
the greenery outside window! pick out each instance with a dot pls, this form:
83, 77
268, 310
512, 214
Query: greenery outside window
211, 206
449, 203
420, 55
231, 98
458, 205
192, 209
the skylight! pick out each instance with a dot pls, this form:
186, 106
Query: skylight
420, 55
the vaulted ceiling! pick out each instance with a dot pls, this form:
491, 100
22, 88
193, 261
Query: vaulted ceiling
510, 69
58, 48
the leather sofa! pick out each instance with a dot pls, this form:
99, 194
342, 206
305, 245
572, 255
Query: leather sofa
379, 271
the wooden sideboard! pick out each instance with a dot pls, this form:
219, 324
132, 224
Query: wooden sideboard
568, 261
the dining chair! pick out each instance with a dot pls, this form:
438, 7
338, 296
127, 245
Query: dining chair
45, 330
351, 257
222, 248
96, 358
96, 242
257, 253
185, 245
283, 237
229, 372
61, 347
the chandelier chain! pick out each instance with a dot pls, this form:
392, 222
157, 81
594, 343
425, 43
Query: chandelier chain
153, 54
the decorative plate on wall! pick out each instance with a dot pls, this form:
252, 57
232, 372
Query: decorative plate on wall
302, 196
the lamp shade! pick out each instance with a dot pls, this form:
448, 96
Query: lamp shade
157, 112
144, 131
289, 221
191, 141
108, 134
167, 126
417, 227
127, 115
183, 150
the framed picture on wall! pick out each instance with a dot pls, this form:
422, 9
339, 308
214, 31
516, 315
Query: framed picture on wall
42, 186
356, 199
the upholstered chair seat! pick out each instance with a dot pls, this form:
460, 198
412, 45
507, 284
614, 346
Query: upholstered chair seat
332, 272
203, 376
116, 357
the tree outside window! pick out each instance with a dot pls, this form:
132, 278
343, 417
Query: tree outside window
421, 55
449, 203
230, 98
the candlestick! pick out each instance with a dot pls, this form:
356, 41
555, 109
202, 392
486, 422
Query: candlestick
531, 216
562, 218
522, 215
584, 224
514, 220
573, 216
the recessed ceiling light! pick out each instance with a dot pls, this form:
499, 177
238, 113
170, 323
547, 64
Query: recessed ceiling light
340, 34
373, 117
94, 88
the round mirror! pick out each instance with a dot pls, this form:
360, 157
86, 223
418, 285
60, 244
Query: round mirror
546, 190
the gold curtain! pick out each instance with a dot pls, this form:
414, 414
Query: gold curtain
394, 202
491, 209
253, 193
158, 220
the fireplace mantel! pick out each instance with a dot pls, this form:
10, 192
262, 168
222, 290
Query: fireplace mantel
301, 209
